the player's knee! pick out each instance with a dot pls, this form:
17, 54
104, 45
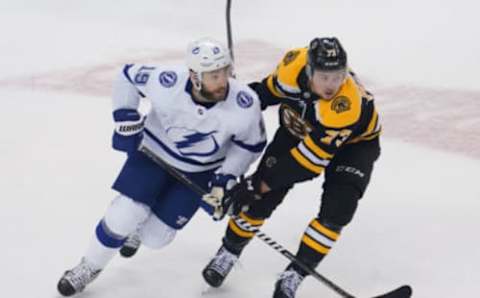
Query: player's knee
156, 234
339, 203
124, 215
263, 208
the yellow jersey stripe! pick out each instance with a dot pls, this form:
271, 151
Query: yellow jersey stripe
271, 87
286, 89
233, 226
365, 137
319, 237
304, 162
371, 136
311, 156
310, 144
315, 245
325, 231
251, 221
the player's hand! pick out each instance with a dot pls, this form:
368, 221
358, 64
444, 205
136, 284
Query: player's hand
219, 185
128, 130
240, 197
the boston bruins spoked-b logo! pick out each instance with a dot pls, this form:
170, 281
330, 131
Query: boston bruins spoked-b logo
294, 122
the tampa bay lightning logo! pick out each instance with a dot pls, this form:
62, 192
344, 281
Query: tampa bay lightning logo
244, 99
193, 143
167, 78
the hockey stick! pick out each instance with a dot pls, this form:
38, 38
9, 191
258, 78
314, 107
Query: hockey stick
229, 29
229, 35
402, 292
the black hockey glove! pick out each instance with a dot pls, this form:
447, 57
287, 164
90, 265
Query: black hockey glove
240, 197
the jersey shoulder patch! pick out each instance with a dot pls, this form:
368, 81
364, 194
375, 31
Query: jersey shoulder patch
343, 110
241, 96
244, 99
168, 78
289, 69
290, 57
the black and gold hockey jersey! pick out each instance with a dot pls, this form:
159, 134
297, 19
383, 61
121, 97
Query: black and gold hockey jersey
320, 127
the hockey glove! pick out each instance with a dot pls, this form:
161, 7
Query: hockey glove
219, 185
239, 198
128, 130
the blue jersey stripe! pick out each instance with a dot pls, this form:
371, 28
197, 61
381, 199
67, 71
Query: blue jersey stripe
127, 75
256, 148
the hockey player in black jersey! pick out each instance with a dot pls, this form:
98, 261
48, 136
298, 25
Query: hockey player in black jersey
328, 124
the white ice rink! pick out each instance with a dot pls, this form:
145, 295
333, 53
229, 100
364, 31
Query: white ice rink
418, 223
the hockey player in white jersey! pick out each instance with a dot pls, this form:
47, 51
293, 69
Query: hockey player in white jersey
202, 122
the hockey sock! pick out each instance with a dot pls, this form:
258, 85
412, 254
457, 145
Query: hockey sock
237, 236
316, 243
103, 246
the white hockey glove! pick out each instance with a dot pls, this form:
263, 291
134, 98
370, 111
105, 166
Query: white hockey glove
219, 185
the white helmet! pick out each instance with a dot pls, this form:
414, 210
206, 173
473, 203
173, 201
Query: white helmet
206, 55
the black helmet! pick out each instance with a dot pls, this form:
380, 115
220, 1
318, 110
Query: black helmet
326, 54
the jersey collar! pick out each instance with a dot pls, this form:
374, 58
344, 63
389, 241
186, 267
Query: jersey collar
189, 88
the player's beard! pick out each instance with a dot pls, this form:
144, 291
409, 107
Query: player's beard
218, 94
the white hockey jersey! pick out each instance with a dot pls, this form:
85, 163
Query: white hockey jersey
229, 135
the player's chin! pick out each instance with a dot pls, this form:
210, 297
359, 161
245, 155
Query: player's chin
219, 95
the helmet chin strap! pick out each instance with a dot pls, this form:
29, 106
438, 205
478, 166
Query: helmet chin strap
309, 71
197, 81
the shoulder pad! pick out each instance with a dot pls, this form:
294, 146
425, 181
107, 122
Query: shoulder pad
289, 69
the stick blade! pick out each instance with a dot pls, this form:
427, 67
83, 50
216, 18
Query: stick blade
402, 292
